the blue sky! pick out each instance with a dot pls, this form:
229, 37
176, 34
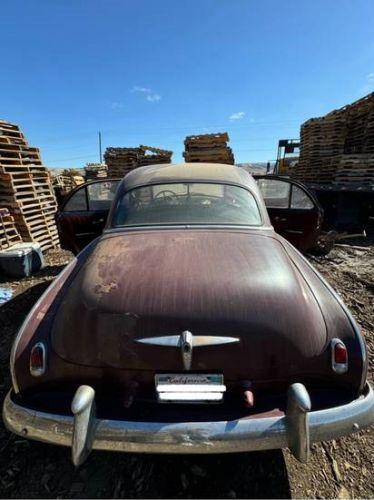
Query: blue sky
152, 72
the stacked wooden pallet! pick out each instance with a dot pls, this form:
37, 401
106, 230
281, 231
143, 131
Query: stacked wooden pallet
65, 182
208, 148
339, 147
355, 169
368, 146
8, 232
360, 126
95, 171
26, 188
153, 156
287, 165
120, 161
320, 140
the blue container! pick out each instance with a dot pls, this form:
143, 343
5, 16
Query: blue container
21, 260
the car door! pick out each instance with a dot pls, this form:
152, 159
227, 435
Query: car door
293, 210
82, 216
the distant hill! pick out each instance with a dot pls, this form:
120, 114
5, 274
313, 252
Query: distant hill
252, 168
57, 171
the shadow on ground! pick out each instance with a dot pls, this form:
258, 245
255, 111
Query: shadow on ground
47, 271
31, 469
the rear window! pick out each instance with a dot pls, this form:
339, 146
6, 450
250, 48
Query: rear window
187, 203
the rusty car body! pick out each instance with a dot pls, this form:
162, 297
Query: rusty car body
188, 326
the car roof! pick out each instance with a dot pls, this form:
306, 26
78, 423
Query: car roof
188, 172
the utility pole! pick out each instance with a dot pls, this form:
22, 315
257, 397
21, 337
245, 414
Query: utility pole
100, 152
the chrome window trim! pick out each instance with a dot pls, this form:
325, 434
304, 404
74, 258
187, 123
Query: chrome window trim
186, 226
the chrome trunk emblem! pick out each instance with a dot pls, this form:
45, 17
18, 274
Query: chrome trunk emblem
186, 342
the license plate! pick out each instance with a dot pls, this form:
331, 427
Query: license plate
188, 379
189, 388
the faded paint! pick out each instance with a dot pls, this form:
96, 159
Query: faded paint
232, 283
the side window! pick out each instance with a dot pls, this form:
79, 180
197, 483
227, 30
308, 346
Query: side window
276, 193
101, 194
300, 200
78, 202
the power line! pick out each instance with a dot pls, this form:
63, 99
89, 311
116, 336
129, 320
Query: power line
75, 147
74, 158
144, 132
179, 151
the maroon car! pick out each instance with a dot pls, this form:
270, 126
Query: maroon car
189, 325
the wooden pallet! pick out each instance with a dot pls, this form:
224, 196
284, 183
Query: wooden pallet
208, 148
95, 171
121, 161
158, 151
8, 231
221, 137
26, 189
345, 135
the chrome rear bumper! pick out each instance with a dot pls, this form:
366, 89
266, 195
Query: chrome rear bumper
297, 429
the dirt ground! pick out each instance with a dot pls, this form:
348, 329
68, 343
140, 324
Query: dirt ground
342, 468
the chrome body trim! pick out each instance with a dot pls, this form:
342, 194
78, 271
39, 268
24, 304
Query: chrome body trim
125, 229
196, 437
186, 346
83, 408
186, 341
298, 408
189, 339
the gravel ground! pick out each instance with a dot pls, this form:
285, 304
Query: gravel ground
342, 468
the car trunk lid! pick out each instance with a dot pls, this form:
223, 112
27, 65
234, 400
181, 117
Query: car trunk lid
156, 283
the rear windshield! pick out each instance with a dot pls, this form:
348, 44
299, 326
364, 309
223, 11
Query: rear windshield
187, 203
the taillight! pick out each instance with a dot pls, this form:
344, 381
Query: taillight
38, 360
339, 356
